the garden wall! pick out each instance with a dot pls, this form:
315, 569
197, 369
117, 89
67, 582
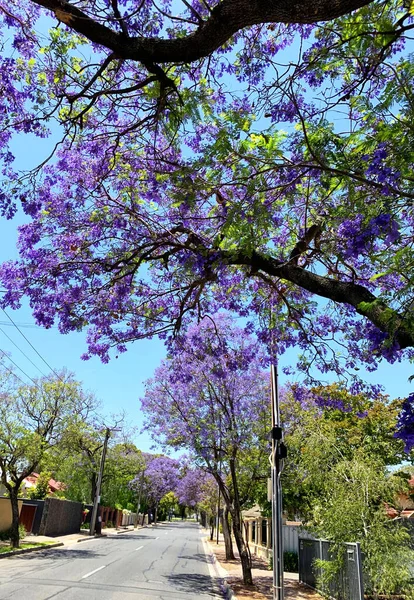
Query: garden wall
60, 517
6, 513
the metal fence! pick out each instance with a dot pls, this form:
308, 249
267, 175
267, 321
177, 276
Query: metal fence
347, 583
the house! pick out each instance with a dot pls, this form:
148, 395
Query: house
31, 480
405, 504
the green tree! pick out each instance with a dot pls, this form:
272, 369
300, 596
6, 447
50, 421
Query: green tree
336, 478
34, 418
41, 489
167, 505
123, 462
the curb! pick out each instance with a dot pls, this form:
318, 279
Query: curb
103, 535
29, 550
221, 573
90, 537
126, 531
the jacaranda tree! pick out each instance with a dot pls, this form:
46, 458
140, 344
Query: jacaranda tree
161, 476
238, 155
212, 399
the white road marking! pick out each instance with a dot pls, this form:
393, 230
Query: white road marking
138, 548
157, 538
92, 572
166, 533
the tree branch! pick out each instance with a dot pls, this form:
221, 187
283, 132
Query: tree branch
388, 320
225, 19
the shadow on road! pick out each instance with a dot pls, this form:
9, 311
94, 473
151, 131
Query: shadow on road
197, 556
187, 583
126, 536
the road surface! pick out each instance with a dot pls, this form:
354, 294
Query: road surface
165, 562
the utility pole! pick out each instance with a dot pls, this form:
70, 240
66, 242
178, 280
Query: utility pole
99, 483
277, 456
139, 496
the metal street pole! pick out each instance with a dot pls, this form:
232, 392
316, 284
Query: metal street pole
218, 500
277, 456
218, 518
99, 483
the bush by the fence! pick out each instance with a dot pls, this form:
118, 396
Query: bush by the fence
290, 562
6, 535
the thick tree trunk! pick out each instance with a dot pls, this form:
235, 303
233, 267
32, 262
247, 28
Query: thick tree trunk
14, 538
245, 558
228, 544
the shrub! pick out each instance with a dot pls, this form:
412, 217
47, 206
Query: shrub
5, 535
291, 562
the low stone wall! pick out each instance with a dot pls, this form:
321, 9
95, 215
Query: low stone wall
60, 517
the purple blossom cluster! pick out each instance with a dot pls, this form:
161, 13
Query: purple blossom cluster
405, 425
358, 236
144, 221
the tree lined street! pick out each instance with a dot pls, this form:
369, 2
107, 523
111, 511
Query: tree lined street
167, 562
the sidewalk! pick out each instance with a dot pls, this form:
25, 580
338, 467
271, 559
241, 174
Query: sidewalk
262, 578
82, 535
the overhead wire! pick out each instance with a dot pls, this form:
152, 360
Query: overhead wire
31, 345
20, 350
20, 369
14, 374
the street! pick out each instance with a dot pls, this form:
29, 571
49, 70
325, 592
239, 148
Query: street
165, 562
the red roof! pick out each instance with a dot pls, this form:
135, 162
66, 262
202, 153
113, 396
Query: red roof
54, 486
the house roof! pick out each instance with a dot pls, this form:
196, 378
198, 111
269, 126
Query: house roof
54, 485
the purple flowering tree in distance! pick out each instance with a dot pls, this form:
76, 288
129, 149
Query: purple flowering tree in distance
209, 155
161, 476
212, 398
189, 490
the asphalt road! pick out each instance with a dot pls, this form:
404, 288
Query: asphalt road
165, 562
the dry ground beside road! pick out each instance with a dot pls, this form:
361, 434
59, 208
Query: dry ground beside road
262, 577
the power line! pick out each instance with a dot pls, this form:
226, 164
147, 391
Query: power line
31, 345
20, 350
24, 325
20, 369
13, 373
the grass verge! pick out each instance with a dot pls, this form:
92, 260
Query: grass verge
23, 546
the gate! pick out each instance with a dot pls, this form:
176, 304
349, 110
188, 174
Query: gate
27, 516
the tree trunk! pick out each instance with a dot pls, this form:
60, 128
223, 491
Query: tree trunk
14, 538
245, 558
228, 544
211, 528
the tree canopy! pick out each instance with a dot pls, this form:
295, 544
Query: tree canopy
33, 419
269, 174
336, 477
211, 398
